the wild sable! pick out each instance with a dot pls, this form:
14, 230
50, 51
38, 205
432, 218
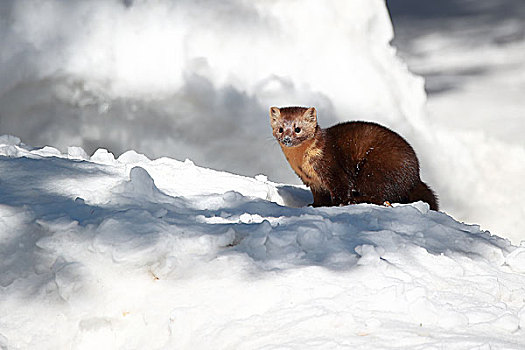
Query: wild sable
348, 163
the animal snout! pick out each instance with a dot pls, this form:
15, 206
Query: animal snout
287, 141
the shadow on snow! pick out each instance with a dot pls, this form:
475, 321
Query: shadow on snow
141, 225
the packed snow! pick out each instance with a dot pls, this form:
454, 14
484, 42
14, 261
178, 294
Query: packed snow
133, 253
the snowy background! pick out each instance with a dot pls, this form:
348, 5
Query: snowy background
195, 79
146, 251
472, 56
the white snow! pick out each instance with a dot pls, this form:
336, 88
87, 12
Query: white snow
476, 81
105, 252
195, 79
132, 253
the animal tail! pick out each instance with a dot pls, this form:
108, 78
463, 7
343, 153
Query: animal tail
421, 192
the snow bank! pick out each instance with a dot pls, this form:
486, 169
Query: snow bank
194, 80
136, 253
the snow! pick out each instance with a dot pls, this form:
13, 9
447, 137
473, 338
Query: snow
471, 56
133, 253
143, 251
187, 79
196, 79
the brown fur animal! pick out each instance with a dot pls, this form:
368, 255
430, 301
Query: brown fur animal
348, 163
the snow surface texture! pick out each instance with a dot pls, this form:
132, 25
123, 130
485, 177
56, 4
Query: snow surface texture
194, 79
130, 253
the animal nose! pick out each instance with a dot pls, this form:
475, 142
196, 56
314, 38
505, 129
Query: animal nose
287, 141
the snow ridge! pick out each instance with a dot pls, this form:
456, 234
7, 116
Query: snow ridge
137, 253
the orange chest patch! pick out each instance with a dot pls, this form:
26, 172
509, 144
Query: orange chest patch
302, 160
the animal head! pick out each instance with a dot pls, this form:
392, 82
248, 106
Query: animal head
293, 125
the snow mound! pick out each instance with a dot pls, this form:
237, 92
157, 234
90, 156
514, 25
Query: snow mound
137, 253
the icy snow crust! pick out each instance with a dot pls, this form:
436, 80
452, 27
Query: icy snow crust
132, 253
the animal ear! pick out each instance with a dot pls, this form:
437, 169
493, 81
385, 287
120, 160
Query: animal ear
275, 115
310, 115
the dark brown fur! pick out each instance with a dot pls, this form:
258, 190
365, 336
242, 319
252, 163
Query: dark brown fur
348, 163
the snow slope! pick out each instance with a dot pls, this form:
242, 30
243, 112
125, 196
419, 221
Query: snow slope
132, 253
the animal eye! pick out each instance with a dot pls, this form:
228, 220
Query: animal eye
281, 130
297, 130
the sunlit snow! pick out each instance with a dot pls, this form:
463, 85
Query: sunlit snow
147, 250
106, 253
195, 79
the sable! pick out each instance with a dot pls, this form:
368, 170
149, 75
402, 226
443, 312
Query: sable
348, 163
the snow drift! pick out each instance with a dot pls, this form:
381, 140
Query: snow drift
194, 79
132, 253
